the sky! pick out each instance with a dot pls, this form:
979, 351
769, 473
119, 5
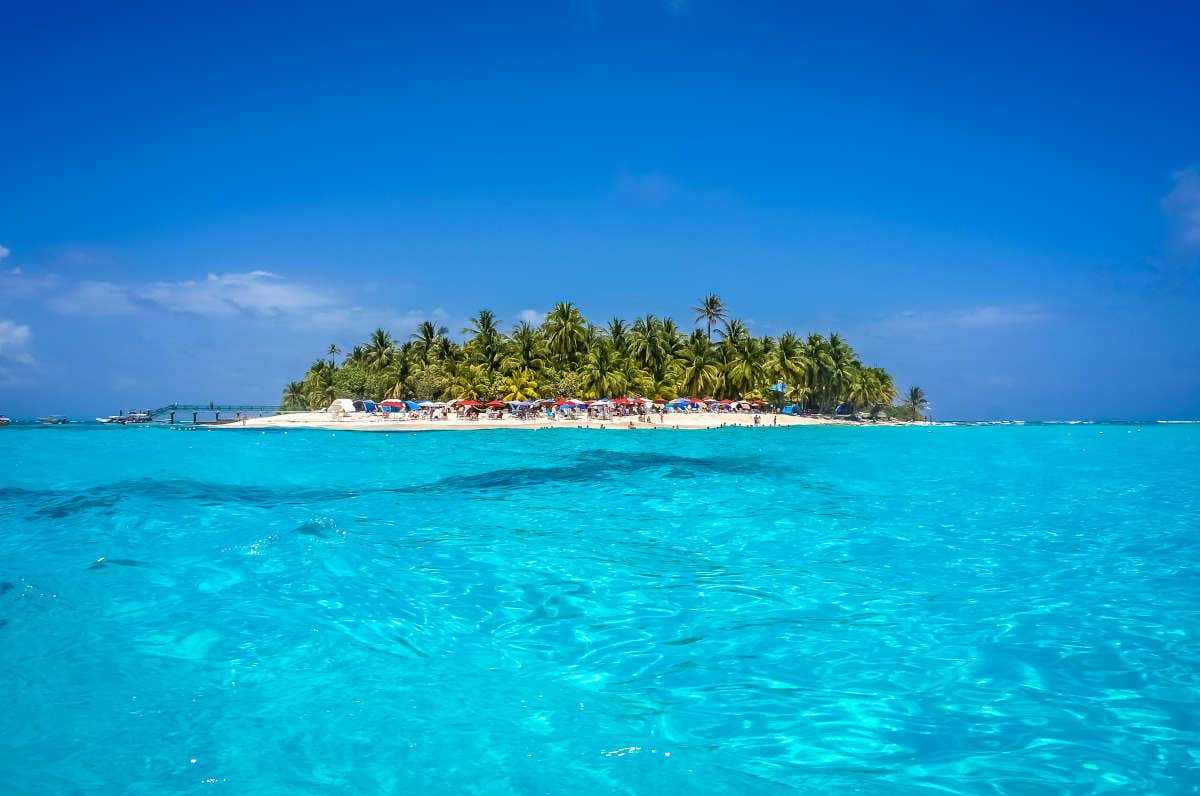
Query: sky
1000, 205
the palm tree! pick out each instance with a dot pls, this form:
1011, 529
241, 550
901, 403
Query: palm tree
519, 386
602, 374
712, 311
564, 330
470, 381
735, 331
916, 400
701, 370
379, 351
426, 338
446, 349
618, 332
525, 349
485, 342
786, 360
294, 396
745, 366
318, 385
646, 343
333, 353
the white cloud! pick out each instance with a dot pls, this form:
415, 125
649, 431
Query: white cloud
4, 252
14, 342
531, 316
1182, 208
16, 285
977, 318
252, 293
94, 299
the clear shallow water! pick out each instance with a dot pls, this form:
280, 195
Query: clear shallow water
993, 609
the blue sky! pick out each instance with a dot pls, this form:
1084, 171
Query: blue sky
1000, 206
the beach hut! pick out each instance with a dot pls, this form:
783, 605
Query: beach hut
341, 405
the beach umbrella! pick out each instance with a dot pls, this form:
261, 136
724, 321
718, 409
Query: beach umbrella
677, 402
726, 401
468, 402
496, 404
426, 404
412, 405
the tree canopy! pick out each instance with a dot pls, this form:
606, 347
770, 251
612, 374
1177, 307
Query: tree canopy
568, 356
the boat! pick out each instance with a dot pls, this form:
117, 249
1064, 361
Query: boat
132, 417
4, 421
53, 420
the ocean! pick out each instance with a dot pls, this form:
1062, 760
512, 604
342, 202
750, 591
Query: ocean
990, 609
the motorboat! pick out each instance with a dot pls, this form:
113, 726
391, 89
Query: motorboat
132, 417
4, 421
52, 420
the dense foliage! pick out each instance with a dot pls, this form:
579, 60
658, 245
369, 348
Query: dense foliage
567, 356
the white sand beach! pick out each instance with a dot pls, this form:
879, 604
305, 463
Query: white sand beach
359, 421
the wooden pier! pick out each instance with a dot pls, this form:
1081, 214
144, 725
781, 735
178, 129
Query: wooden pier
237, 410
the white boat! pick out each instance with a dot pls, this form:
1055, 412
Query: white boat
134, 416
4, 421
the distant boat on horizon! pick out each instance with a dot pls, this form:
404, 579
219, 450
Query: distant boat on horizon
4, 421
53, 420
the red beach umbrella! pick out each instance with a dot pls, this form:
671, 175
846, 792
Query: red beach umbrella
469, 402
497, 404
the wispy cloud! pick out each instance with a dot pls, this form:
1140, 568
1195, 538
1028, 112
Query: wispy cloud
531, 316
1182, 209
94, 299
652, 187
4, 252
15, 357
252, 293
15, 285
14, 342
976, 318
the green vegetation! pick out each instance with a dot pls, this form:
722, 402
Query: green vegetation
567, 356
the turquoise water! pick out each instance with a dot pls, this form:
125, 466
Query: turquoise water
901, 610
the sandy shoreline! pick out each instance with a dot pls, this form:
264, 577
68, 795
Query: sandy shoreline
681, 421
